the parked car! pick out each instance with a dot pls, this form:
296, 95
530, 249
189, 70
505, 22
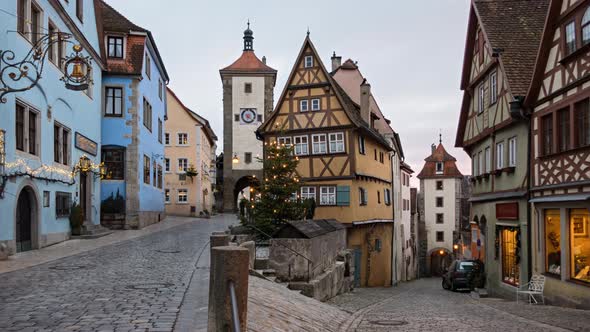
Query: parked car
464, 274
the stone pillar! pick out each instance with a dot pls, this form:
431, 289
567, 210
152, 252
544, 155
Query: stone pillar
251, 246
218, 239
228, 264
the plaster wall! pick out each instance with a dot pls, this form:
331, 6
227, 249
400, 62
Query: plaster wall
448, 194
243, 139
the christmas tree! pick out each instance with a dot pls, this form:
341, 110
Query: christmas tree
276, 199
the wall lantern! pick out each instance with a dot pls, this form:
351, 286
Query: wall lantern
441, 252
235, 159
85, 165
24, 74
455, 246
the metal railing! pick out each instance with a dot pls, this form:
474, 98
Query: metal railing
234, 307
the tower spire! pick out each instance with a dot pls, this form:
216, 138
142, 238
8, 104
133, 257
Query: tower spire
248, 38
440, 136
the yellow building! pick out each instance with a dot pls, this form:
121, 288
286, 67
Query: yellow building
344, 162
189, 162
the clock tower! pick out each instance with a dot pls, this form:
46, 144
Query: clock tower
248, 86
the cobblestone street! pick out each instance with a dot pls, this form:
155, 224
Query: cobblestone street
423, 305
136, 284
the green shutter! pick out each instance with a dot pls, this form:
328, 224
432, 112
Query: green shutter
343, 195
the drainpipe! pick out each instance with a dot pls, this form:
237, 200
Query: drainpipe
393, 253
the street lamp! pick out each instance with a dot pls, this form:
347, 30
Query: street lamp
235, 159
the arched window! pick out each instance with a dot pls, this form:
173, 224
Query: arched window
586, 27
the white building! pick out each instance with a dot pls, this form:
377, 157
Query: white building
440, 192
409, 252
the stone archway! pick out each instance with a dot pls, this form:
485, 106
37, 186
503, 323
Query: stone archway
439, 259
244, 183
26, 220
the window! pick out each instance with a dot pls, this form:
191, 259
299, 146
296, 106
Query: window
439, 185
308, 193
167, 139
259, 117
336, 142
488, 158
115, 47
361, 145
363, 196
440, 236
387, 196
182, 164
146, 169
286, 141
80, 9
480, 166
582, 126
160, 89
155, 173
114, 162
182, 195
474, 165
563, 129
552, 241
21, 16
375, 154
493, 88
26, 129
147, 114
439, 202
308, 61
439, 167
114, 102
236, 117
328, 195
248, 157
440, 218
318, 143
381, 157
160, 125
182, 139
315, 104
480, 99
301, 145
500, 155
167, 164
570, 38
586, 27
61, 144
36, 24
303, 105
512, 152
547, 134
51, 50
510, 266
248, 87
579, 245
62, 204
148, 65
167, 196
378, 197
160, 180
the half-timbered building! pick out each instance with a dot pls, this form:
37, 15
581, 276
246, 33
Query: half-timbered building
500, 51
559, 99
343, 160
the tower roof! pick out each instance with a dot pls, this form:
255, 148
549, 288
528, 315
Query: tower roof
248, 61
440, 155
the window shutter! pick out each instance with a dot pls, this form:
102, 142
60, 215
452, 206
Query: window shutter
343, 195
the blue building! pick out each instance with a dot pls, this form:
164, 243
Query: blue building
134, 99
48, 130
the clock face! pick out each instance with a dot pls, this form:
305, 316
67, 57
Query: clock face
248, 115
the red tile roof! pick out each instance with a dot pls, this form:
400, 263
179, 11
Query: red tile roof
450, 169
249, 62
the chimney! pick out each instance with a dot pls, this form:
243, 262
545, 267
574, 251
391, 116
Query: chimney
336, 61
264, 59
433, 148
365, 95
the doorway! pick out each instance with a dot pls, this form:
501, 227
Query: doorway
25, 209
83, 194
439, 260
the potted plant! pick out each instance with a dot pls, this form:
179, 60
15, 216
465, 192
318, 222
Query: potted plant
191, 172
76, 219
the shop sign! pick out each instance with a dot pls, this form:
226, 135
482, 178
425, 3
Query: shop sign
86, 144
507, 211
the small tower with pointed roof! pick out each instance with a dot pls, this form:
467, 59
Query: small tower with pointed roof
248, 90
440, 195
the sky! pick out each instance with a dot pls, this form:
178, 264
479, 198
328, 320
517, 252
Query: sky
411, 52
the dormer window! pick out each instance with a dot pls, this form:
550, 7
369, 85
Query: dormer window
115, 47
439, 167
308, 61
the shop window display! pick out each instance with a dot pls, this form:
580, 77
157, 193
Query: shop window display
552, 239
580, 245
510, 256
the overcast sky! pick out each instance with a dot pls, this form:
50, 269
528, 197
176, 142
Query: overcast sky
410, 51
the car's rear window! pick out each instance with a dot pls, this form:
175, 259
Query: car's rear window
465, 266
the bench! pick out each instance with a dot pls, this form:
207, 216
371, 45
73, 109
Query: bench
533, 289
